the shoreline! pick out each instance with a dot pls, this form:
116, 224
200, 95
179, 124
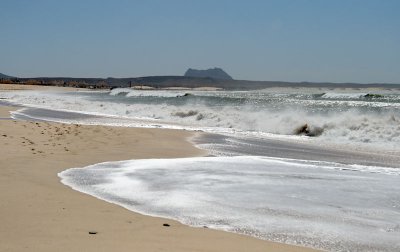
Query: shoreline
42, 214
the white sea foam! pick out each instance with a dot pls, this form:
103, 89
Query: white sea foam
128, 92
343, 95
319, 204
371, 124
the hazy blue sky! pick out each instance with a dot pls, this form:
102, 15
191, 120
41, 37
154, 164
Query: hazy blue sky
298, 40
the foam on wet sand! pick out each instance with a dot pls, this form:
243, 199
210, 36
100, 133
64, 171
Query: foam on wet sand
325, 205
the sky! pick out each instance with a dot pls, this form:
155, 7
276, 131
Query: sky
297, 40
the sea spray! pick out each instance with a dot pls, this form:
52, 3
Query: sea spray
334, 117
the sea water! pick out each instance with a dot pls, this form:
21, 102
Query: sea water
351, 117
334, 186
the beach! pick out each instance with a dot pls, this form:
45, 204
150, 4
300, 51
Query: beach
306, 167
200, 126
41, 214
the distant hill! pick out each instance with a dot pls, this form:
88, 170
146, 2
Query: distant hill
184, 82
3, 76
215, 73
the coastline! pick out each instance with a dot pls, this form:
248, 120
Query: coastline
41, 214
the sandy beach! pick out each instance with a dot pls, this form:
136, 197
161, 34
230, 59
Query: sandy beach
38, 213
15, 87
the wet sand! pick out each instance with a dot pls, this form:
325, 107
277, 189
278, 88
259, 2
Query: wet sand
303, 151
38, 213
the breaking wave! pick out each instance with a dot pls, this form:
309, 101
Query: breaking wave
128, 92
358, 121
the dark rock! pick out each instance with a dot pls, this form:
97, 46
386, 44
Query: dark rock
185, 95
199, 117
370, 96
302, 130
309, 131
186, 114
166, 225
92, 232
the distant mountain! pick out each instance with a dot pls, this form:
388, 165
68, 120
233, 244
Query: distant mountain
3, 76
215, 73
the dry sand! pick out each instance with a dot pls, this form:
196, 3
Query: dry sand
38, 213
14, 87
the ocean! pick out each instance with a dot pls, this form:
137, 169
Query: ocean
315, 167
